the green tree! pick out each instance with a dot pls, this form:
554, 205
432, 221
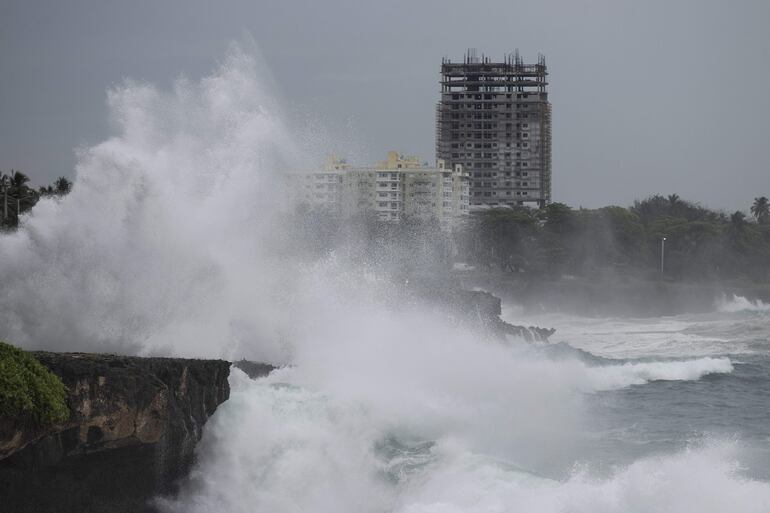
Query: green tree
761, 209
62, 186
18, 179
506, 238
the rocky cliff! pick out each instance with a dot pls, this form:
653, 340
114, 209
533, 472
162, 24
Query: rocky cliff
485, 309
132, 431
480, 309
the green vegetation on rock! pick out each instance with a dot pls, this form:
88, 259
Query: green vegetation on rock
29, 390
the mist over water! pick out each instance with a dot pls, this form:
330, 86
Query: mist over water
168, 241
174, 241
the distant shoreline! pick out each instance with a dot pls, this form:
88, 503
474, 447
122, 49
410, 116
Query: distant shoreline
612, 296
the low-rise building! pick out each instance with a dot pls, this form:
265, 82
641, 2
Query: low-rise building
397, 188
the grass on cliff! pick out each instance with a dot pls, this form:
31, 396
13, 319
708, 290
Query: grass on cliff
29, 390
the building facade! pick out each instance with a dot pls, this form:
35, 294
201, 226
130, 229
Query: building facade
397, 188
494, 119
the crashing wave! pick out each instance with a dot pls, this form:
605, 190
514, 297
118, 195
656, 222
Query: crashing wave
741, 304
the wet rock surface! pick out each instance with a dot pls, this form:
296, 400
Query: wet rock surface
481, 309
131, 434
254, 370
485, 309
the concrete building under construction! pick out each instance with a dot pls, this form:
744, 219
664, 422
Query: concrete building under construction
494, 118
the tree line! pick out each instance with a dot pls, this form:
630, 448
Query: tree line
17, 197
558, 240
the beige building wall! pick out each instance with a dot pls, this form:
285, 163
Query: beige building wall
397, 188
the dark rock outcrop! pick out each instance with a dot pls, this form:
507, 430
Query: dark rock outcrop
485, 309
475, 307
131, 434
254, 370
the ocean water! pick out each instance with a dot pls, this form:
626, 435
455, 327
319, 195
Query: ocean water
174, 241
713, 380
617, 415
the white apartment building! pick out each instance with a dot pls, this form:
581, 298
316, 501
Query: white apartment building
397, 188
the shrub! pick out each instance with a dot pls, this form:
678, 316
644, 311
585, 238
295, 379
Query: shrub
29, 390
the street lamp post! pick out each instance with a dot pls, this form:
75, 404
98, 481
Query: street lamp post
662, 255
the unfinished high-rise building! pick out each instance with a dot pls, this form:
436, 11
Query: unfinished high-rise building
494, 118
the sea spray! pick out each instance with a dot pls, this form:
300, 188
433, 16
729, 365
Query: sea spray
169, 241
173, 241
737, 303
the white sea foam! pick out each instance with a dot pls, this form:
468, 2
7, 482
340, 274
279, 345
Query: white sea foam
682, 336
740, 304
172, 242
285, 448
695, 481
638, 373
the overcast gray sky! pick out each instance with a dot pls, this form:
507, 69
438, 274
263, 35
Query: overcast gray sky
648, 95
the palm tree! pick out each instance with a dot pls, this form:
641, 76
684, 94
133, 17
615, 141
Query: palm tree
62, 186
673, 204
18, 179
761, 209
